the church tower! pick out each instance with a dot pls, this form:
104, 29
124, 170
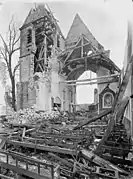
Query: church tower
40, 39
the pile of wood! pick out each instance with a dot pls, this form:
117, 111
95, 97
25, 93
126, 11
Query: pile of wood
68, 150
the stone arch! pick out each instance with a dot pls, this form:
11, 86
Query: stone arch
57, 100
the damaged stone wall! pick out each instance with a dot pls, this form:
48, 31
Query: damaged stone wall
40, 43
104, 88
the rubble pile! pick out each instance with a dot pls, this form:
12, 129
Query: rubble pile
32, 116
71, 151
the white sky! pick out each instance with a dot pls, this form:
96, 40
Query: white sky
106, 19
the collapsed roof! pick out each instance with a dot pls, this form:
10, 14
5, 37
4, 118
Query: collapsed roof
80, 44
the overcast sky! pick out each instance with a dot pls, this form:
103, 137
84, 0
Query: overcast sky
106, 19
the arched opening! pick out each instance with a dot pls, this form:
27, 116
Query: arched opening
108, 99
56, 103
29, 36
86, 91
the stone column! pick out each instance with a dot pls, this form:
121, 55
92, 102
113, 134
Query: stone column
25, 94
43, 97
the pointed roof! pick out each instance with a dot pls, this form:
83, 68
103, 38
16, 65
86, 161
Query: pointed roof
77, 28
38, 12
35, 14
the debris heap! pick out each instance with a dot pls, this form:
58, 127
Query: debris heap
37, 144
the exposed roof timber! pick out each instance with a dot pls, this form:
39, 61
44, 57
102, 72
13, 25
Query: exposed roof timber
39, 13
94, 82
94, 58
76, 73
76, 47
92, 79
81, 45
76, 29
80, 38
93, 119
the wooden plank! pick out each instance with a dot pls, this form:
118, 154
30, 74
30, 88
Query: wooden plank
43, 147
2, 144
64, 136
5, 177
123, 85
63, 161
117, 113
117, 103
112, 148
93, 119
100, 161
26, 158
111, 123
23, 171
91, 79
117, 160
52, 142
91, 83
121, 109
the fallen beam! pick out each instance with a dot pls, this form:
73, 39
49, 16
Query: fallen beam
5, 177
117, 160
117, 113
91, 79
42, 147
123, 85
22, 171
92, 83
111, 124
63, 161
93, 119
100, 161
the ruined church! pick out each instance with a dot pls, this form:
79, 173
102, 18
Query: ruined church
50, 64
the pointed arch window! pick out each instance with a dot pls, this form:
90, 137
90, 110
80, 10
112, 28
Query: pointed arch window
29, 36
58, 41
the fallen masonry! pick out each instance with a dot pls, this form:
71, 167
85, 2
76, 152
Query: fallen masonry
48, 149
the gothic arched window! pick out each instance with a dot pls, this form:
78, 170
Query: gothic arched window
29, 36
58, 41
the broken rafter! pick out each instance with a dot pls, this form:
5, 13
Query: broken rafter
100, 161
25, 170
74, 46
93, 119
91, 79
5, 177
42, 147
118, 107
117, 113
91, 83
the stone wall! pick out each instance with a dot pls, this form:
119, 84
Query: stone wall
105, 88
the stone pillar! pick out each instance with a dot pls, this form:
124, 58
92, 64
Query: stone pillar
25, 94
19, 96
31, 96
95, 96
43, 93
